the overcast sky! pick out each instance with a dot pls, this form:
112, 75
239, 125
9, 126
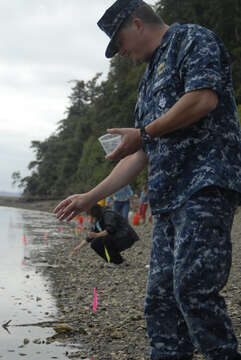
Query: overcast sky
44, 44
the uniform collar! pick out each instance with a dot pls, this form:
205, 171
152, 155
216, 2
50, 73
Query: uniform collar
168, 34
165, 40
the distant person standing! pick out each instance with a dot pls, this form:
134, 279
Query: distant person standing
121, 201
143, 203
109, 200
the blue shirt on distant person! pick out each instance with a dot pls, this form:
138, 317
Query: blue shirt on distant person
121, 201
123, 194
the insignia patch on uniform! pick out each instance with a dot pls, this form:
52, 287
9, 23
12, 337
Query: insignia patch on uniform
162, 102
161, 68
161, 65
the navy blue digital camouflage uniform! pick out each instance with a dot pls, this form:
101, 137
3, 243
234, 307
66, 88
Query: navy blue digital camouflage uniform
194, 189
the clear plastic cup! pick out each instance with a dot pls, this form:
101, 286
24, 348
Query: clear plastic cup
109, 142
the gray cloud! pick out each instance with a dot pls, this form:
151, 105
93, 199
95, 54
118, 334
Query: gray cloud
44, 45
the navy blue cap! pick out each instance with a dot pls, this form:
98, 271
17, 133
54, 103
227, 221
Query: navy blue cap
112, 19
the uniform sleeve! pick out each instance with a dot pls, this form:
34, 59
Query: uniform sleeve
201, 64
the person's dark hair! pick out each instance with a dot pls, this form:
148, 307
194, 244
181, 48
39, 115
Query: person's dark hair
146, 14
95, 211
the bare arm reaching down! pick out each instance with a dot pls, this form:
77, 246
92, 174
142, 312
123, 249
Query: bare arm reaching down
124, 173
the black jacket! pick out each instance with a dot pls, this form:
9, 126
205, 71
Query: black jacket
118, 228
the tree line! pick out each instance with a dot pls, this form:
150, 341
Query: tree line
71, 159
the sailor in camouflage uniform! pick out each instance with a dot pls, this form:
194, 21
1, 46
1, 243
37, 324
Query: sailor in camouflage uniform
188, 131
193, 173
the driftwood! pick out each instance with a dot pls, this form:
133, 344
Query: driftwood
58, 326
40, 324
6, 325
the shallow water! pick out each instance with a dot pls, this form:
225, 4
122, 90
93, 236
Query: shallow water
25, 294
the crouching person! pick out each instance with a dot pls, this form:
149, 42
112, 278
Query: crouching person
111, 235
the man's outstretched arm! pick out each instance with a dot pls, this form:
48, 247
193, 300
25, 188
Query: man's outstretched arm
123, 173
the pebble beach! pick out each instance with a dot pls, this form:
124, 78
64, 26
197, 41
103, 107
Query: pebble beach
116, 328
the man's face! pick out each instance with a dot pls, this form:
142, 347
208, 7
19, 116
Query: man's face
130, 42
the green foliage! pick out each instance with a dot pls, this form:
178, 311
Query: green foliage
16, 178
71, 160
239, 112
92, 166
221, 16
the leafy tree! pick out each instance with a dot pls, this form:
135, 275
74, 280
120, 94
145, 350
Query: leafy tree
71, 160
221, 16
16, 178
239, 112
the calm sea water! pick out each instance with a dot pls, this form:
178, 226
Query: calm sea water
25, 296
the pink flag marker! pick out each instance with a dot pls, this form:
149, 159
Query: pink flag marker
25, 240
95, 300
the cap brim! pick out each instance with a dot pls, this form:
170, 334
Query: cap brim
111, 49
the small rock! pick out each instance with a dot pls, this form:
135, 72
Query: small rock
37, 341
61, 328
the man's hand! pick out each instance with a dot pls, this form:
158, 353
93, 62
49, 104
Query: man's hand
92, 235
72, 206
131, 143
75, 250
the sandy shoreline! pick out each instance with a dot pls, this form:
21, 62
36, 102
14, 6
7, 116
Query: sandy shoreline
44, 205
117, 329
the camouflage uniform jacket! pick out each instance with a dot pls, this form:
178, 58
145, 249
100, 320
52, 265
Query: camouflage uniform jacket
208, 152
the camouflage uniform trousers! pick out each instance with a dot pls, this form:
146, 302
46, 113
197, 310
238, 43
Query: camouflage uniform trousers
190, 263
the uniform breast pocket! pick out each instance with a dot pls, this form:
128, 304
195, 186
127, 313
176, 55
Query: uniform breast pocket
161, 97
165, 95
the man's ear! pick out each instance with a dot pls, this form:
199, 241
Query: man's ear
138, 23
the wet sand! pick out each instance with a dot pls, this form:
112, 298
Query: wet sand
117, 329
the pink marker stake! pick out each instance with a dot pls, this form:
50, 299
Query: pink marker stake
95, 301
